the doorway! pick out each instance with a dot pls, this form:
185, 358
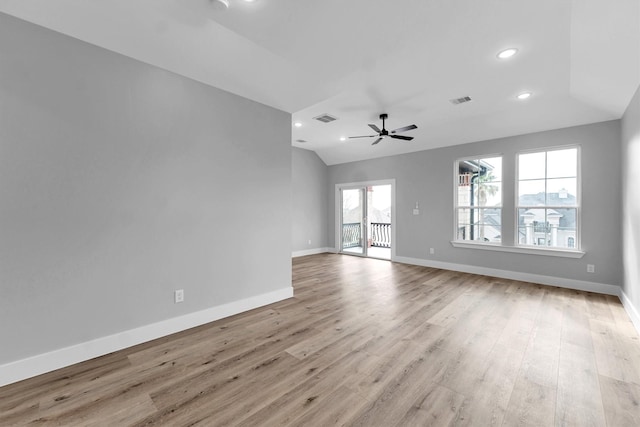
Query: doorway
365, 219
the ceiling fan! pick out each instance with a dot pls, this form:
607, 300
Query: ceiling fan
383, 133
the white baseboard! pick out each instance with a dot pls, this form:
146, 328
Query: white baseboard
47, 362
579, 285
631, 310
311, 252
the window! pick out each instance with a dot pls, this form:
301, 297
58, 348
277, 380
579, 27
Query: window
548, 203
479, 199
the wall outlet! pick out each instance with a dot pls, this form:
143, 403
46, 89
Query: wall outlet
591, 268
178, 295
432, 251
309, 242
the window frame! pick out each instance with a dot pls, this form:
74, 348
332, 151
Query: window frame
513, 246
457, 207
577, 248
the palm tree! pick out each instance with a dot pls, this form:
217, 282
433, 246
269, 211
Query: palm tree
483, 190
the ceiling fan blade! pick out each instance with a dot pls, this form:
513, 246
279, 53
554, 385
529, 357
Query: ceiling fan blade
404, 138
376, 141
404, 129
363, 136
374, 127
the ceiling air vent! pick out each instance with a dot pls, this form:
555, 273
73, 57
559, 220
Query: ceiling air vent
325, 118
301, 141
457, 101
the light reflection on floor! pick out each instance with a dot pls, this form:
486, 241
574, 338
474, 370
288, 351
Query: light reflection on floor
372, 252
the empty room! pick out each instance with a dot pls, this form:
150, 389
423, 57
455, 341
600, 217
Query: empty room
319, 213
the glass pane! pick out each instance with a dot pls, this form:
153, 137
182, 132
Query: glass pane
532, 227
492, 171
489, 225
489, 194
379, 221
562, 163
562, 191
531, 193
547, 227
464, 224
565, 235
479, 225
352, 216
464, 188
531, 166
479, 182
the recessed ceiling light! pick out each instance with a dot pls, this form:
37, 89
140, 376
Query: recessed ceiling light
343, 138
297, 124
524, 95
507, 53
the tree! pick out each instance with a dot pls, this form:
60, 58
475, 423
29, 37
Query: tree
484, 189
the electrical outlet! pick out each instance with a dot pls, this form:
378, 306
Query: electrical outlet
432, 251
178, 295
309, 242
591, 268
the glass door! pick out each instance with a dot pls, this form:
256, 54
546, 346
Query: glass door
379, 221
353, 221
364, 218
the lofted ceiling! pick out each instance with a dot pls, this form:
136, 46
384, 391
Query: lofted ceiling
356, 59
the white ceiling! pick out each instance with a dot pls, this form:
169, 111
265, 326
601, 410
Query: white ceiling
355, 59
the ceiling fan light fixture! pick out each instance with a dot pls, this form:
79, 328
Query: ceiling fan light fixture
507, 53
220, 4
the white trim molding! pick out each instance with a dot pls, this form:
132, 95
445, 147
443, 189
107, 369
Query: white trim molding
631, 310
579, 285
314, 251
518, 249
47, 362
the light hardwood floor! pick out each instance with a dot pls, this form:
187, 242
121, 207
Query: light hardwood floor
366, 343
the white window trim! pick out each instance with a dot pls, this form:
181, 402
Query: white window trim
457, 208
530, 250
578, 238
515, 247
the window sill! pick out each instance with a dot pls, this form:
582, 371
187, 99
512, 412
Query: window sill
519, 249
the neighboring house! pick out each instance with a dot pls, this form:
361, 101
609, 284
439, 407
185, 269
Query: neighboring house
559, 227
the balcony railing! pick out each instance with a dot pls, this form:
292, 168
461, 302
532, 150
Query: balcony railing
380, 235
351, 235
541, 227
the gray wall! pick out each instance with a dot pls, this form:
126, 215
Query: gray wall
631, 197
427, 177
310, 179
120, 182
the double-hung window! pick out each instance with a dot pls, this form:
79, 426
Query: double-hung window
548, 202
479, 199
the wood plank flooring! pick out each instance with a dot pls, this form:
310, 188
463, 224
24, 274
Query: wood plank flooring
366, 343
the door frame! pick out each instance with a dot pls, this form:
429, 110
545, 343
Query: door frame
338, 211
